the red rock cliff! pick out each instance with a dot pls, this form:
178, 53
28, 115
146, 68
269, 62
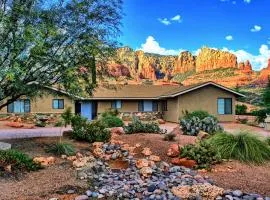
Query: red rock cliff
184, 63
209, 59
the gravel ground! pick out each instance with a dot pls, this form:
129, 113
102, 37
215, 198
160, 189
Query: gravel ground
248, 178
46, 183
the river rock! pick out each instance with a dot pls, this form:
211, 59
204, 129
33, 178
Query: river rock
5, 146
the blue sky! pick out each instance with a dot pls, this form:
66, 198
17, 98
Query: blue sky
170, 26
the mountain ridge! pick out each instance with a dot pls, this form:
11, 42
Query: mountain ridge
136, 66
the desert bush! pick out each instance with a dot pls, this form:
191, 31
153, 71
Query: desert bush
195, 124
169, 137
112, 121
59, 123
110, 112
61, 148
201, 114
18, 161
243, 121
67, 116
268, 141
203, 153
40, 124
137, 126
94, 131
243, 146
240, 109
261, 114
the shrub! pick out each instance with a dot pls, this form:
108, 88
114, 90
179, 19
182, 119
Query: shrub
203, 153
268, 141
243, 121
110, 112
40, 124
61, 148
18, 161
67, 116
261, 114
194, 125
242, 146
59, 123
240, 109
112, 121
137, 126
201, 114
169, 137
94, 131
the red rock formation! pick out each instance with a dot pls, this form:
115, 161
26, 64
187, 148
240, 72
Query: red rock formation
185, 62
209, 59
245, 67
117, 70
264, 74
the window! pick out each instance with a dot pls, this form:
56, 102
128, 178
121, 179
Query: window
224, 106
164, 105
19, 106
147, 106
117, 104
58, 104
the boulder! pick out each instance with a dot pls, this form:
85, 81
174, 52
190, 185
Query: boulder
173, 150
14, 124
147, 151
154, 158
184, 162
146, 171
202, 135
44, 161
117, 130
142, 163
98, 152
205, 191
5, 146
98, 144
161, 121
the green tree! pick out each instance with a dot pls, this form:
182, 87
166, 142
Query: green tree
53, 44
266, 94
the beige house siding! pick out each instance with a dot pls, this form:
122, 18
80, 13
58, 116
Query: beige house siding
172, 113
127, 106
44, 104
205, 99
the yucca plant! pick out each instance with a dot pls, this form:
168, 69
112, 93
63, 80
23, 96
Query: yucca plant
243, 146
61, 148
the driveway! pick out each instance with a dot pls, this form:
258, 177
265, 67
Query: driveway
235, 127
27, 133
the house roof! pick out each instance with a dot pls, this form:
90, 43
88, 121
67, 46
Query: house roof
146, 91
151, 91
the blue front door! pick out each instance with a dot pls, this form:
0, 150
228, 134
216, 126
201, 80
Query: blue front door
86, 110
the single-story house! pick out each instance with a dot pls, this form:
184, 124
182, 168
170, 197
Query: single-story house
169, 100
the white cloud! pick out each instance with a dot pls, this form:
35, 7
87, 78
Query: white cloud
164, 21
256, 28
176, 18
247, 1
229, 37
258, 61
152, 46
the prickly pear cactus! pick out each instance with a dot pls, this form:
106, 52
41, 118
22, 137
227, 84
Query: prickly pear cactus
194, 125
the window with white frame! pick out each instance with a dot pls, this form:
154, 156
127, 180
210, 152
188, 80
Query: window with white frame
224, 106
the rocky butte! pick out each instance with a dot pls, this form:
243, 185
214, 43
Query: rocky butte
208, 65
